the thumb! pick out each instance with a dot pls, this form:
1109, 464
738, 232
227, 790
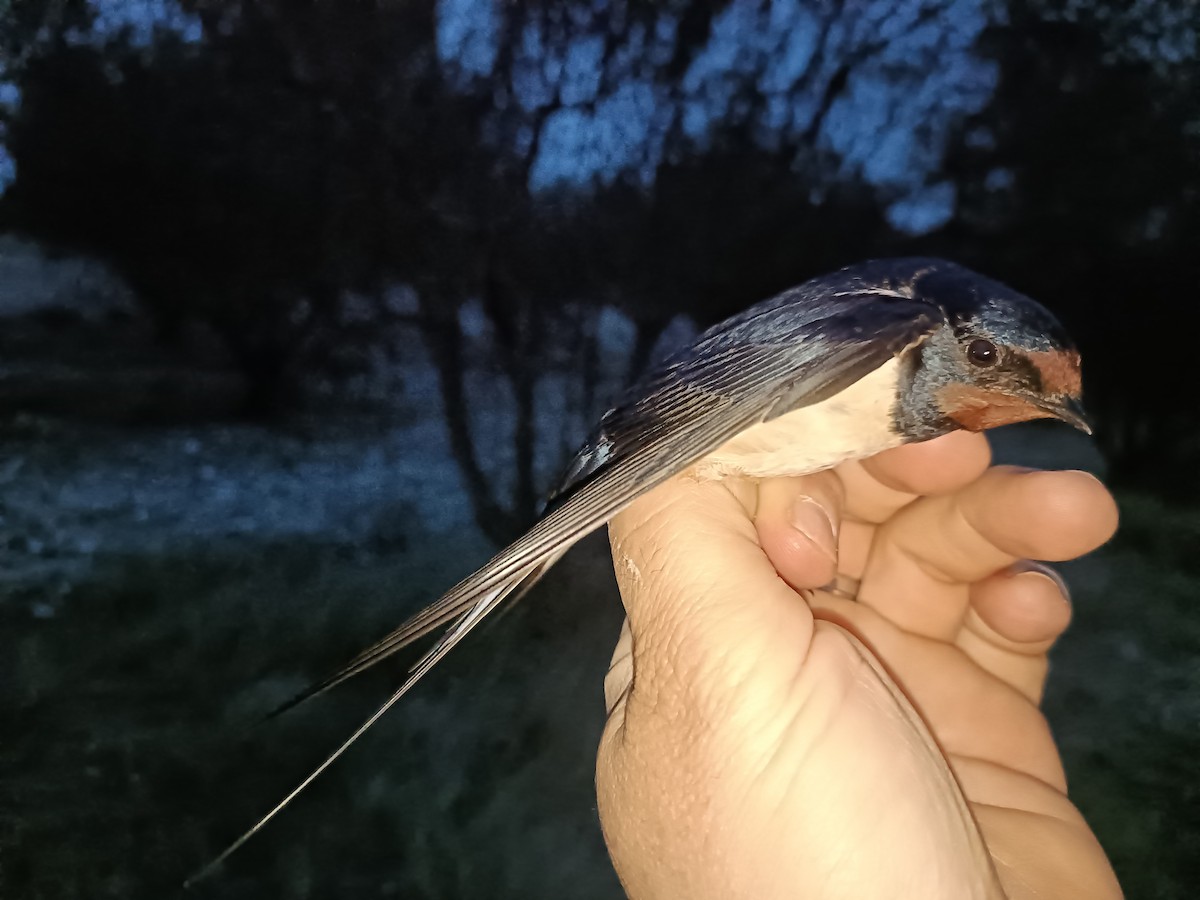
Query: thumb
707, 605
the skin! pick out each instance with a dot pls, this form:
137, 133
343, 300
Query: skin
770, 740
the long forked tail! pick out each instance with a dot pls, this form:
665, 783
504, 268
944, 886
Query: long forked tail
413, 630
519, 585
518, 566
589, 505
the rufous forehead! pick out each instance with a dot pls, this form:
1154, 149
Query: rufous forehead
1059, 370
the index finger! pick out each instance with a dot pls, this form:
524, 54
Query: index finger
924, 556
882, 484
877, 487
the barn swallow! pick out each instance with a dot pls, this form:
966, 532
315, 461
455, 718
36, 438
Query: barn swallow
842, 367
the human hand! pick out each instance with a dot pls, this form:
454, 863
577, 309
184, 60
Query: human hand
769, 739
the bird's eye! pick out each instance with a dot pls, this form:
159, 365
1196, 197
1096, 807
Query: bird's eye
982, 352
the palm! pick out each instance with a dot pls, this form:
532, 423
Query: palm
828, 730
971, 653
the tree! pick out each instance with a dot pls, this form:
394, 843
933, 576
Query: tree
1079, 184
547, 158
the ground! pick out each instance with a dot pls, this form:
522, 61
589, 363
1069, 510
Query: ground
164, 587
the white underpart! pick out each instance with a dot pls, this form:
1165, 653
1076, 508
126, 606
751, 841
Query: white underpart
852, 424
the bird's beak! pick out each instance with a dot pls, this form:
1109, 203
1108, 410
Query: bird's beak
1069, 410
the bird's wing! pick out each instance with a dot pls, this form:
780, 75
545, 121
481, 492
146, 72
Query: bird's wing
793, 350
662, 453
689, 407
681, 413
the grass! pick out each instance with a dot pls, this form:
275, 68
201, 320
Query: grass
129, 757
1124, 698
136, 760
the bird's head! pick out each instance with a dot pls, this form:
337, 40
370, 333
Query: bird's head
1000, 358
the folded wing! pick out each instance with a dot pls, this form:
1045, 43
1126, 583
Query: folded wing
786, 353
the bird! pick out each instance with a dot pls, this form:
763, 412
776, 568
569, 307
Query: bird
846, 365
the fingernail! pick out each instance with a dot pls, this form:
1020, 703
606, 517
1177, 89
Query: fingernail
1037, 568
811, 520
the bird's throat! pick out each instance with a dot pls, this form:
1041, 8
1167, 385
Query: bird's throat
976, 409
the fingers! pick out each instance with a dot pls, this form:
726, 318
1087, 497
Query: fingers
1014, 618
1024, 608
879, 486
799, 520
927, 553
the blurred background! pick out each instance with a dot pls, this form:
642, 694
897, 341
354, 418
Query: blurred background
303, 304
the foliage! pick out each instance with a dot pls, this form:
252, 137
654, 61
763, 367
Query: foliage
1080, 185
273, 176
1122, 698
139, 758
